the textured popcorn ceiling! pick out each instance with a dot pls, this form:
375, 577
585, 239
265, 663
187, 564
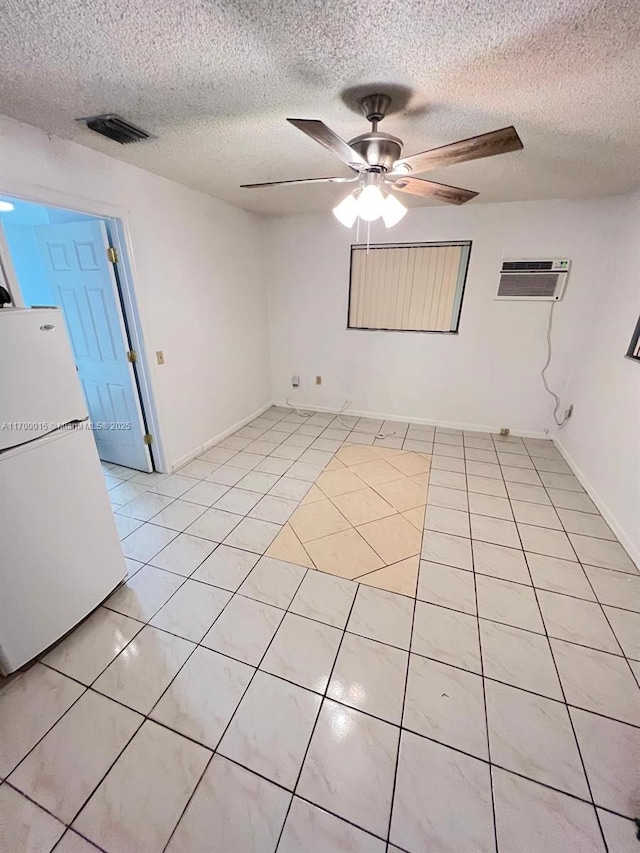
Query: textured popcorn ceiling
215, 79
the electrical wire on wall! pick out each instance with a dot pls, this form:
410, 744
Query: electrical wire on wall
307, 414
559, 423
304, 413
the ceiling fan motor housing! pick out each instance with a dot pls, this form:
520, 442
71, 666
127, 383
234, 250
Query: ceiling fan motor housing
379, 149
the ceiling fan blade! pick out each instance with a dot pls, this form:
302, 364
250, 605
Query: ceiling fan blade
300, 181
486, 145
325, 136
430, 189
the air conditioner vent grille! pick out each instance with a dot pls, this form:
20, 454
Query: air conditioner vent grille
116, 128
540, 286
511, 266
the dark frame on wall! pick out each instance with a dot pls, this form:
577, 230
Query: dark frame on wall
634, 347
464, 270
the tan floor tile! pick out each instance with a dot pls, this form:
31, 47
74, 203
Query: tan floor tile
400, 577
286, 546
415, 516
402, 494
313, 496
316, 520
421, 479
339, 482
334, 465
377, 471
394, 538
363, 506
349, 454
345, 554
411, 463
385, 452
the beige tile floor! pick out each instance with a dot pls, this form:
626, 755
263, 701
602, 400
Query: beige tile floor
232, 697
362, 519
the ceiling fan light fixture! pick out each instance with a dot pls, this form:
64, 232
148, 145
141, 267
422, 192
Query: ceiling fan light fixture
392, 211
347, 211
370, 203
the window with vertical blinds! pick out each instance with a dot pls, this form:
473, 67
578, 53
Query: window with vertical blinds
408, 288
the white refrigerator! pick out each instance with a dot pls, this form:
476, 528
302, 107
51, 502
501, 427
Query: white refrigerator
59, 550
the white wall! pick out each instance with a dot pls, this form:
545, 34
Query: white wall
486, 376
602, 439
198, 277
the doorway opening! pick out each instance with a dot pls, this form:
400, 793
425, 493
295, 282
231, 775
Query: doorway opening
78, 262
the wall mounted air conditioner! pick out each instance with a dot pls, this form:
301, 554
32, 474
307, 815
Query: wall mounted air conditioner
537, 280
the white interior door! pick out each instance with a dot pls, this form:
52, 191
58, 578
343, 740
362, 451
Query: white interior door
83, 282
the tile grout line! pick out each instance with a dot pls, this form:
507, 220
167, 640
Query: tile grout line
482, 675
566, 704
320, 706
596, 598
600, 604
231, 718
218, 465
67, 827
280, 785
404, 701
355, 634
234, 592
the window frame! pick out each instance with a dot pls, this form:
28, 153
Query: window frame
413, 245
634, 344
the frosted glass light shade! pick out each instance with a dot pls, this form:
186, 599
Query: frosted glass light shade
392, 211
347, 211
370, 203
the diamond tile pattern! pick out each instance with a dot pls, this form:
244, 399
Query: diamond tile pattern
294, 665
356, 522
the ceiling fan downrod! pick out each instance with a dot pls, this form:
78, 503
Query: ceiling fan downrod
375, 108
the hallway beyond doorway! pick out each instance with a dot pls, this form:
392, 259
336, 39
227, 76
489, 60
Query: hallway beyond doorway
68, 259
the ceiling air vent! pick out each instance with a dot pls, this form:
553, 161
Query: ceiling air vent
536, 280
115, 127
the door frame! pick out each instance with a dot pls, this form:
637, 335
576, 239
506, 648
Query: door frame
118, 228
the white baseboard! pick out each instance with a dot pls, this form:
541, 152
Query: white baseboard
198, 451
625, 541
411, 419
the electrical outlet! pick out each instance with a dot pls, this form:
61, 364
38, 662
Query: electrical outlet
160, 356
318, 380
295, 381
504, 431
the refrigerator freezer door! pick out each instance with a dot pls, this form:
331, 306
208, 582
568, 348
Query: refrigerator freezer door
59, 550
39, 386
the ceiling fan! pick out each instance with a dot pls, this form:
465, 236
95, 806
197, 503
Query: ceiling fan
377, 160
